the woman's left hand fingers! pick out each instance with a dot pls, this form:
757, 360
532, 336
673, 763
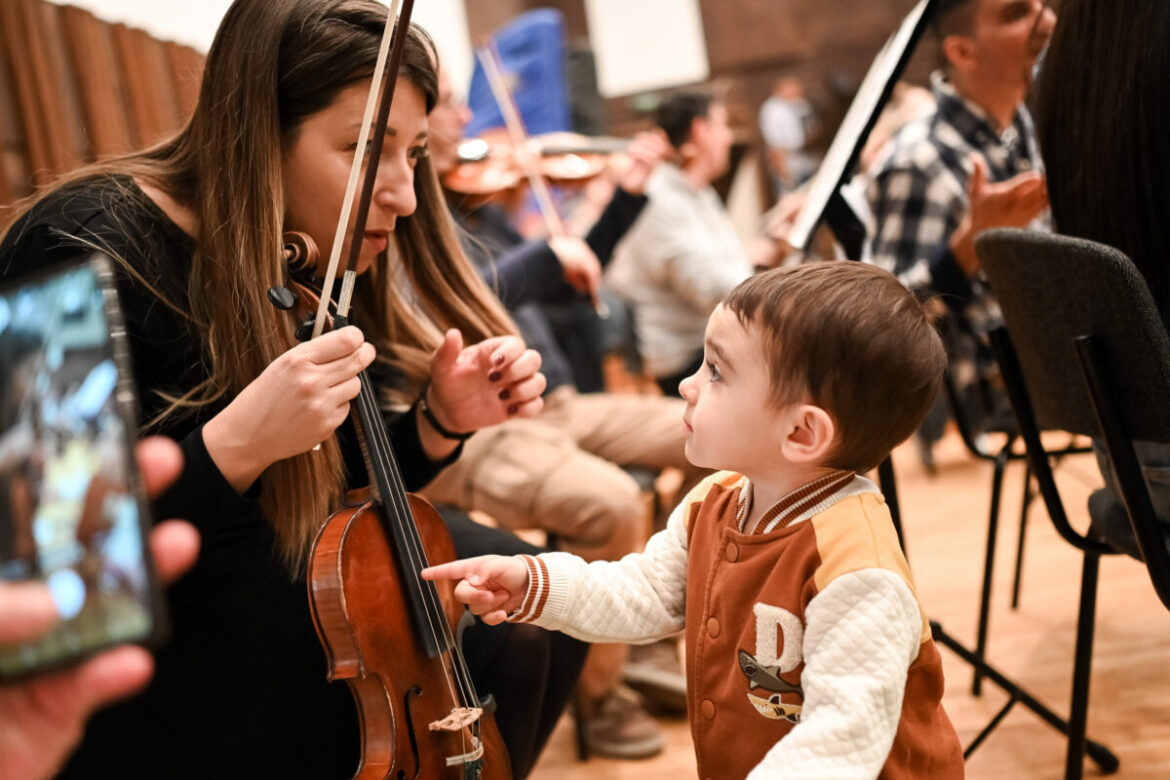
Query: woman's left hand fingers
499, 380
525, 365
497, 353
519, 393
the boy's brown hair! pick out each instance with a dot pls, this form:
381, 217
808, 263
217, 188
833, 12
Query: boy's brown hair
851, 339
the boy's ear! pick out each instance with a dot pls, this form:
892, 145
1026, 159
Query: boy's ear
809, 435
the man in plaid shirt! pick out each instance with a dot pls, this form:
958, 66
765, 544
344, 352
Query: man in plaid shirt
971, 165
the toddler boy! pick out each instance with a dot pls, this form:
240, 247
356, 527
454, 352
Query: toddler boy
808, 653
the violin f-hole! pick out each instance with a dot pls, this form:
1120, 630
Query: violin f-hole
413, 692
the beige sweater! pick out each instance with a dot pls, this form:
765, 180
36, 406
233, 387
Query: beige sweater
678, 261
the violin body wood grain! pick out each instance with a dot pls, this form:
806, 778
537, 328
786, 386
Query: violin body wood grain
365, 626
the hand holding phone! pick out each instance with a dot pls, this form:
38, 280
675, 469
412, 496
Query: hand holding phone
41, 719
73, 515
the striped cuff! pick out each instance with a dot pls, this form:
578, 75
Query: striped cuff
536, 598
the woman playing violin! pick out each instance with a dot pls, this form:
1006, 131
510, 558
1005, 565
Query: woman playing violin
195, 225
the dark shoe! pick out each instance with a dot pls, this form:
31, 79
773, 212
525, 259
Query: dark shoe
655, 671
616, 726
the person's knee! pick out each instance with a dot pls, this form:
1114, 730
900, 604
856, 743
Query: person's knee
607, 519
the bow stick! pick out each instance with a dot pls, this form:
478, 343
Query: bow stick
397, 26
489, 58
386, 74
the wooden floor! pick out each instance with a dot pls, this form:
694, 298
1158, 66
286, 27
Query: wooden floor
945, 519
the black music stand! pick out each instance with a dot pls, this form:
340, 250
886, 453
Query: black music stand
826, 203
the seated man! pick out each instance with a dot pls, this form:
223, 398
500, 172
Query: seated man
971, 164
683, 256
562, 470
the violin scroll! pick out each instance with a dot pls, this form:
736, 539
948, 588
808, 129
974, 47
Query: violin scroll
300, 257
300, 252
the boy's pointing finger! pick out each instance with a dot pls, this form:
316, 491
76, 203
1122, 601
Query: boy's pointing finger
446, 571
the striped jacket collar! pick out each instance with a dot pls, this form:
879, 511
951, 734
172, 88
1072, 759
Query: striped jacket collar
802, 503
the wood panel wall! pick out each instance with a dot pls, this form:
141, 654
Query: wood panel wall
74, 88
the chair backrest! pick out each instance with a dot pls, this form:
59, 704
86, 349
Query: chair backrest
1053, 289
1095, 358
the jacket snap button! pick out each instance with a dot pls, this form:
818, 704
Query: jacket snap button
713, 626
732, 552
708, 709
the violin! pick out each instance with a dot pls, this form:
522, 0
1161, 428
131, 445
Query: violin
386, 632
489, 165
522, 147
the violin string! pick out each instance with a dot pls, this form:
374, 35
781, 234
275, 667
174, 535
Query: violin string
408, 533
381, 451
383, 456
379, 448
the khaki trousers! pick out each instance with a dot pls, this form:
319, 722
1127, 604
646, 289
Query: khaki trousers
562, 471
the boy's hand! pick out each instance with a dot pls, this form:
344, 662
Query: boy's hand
493, 586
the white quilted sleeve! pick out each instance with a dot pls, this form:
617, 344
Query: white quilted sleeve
862, 635
640, 598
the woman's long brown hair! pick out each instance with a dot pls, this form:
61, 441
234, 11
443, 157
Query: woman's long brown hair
272, 65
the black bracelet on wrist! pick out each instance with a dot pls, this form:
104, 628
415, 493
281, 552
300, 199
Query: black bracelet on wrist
425, 408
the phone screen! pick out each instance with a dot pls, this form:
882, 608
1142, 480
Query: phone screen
72, 513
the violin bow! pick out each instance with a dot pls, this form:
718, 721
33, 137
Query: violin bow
489, 58
385, 75
493, 68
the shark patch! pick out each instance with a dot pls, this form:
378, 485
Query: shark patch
766, 679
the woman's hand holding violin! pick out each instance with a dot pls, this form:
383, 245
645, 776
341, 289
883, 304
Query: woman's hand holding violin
478, 386
295, 404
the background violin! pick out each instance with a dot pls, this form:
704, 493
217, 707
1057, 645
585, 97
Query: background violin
489, 164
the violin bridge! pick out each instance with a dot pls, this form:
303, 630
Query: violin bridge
458, 718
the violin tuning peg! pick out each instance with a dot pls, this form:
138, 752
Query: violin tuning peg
304, 331
282, 298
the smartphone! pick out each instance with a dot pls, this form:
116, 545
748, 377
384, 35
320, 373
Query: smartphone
73, 514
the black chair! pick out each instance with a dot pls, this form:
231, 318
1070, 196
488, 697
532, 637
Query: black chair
1089, 354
